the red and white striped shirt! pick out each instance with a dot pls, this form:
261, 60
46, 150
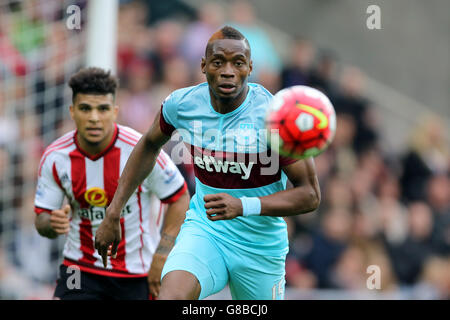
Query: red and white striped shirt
89, 183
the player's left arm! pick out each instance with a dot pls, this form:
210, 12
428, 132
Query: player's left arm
173, 220
302, 198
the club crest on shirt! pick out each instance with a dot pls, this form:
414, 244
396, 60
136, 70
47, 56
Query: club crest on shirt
246, 137
96, 197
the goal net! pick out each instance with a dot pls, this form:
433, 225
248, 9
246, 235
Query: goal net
42, 43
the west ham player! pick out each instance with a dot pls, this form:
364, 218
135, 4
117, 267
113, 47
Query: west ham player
234, 231
84, 166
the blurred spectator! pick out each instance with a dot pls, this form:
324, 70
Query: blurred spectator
50, 82
345, 159
428, 154
4, 185
264, 56
337, 194
167, 42
210, 19
438, 196
323, 74
30, 150
9, 127
297, 275
33, 255
390, 215
409, 256
27, 29
328, 243
169, 9
298, 70
175, 75
349, 270
134, 41
351, 101
136, 107
435, 278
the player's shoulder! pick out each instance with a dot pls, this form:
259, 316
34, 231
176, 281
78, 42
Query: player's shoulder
260, 96
58, 149
188, 94
127, 137
128, 131
62, 144
259, 91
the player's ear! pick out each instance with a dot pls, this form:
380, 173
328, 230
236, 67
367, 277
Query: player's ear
203, 65
250, 66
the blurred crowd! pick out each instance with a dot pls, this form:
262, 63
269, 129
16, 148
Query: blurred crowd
386, 210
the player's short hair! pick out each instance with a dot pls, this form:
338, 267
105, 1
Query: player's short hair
226, 32
93, 80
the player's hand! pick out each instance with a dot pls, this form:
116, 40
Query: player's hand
59, 220
222, 206
154, 275
107, 238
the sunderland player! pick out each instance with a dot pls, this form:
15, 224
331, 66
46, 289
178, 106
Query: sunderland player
234, 231
84, 166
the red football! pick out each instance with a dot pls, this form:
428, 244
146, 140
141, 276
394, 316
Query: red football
301, 122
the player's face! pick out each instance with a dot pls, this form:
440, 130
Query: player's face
227, 66
94, 117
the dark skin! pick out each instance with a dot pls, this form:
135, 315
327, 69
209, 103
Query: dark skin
227, 66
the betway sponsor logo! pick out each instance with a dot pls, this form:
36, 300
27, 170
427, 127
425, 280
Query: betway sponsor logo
211, 164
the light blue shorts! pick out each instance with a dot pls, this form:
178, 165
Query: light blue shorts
217, 263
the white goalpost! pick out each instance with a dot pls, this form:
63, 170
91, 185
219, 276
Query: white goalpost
101, 42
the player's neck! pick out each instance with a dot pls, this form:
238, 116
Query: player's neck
228, 105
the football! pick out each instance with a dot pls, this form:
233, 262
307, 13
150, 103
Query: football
301, 122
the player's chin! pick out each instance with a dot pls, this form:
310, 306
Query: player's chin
231, 93
94, 139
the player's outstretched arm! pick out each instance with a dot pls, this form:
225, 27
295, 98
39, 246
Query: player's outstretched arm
174, 217
302, 198
139, 165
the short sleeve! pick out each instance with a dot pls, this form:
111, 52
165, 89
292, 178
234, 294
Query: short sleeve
165, 180
168, 115
285, 161
49, 194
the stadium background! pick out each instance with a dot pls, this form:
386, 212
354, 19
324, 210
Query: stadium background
385, 180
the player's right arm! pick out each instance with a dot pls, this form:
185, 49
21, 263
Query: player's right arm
51, 219
54, 223
139, 165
